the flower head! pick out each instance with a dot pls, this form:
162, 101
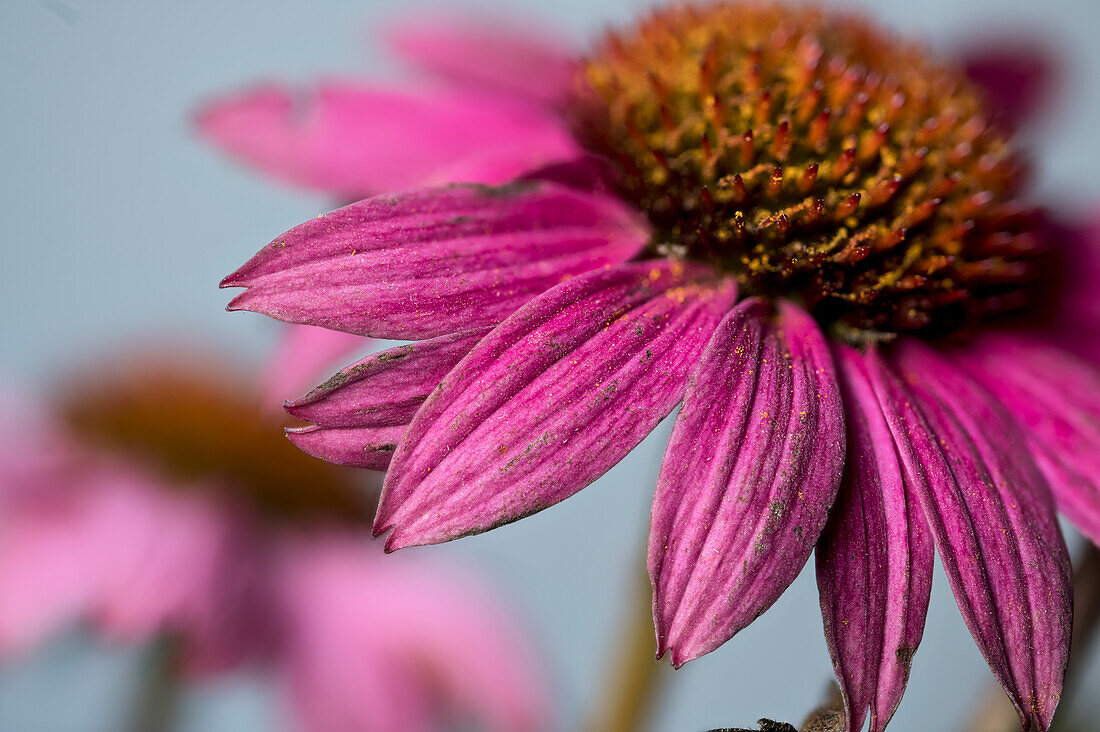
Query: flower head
160, 500
815, 237
810, 154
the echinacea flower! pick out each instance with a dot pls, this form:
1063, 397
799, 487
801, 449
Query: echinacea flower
813, 235
159, 501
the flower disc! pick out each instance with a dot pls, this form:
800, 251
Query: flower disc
815, 156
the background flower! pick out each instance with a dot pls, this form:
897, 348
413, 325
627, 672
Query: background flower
156, 507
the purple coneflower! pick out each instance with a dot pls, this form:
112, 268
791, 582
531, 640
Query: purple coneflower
806, 230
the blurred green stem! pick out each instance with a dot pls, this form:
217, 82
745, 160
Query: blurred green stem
155, 702
635, 676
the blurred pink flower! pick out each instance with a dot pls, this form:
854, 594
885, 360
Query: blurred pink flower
352, 139
913, 360
119, 510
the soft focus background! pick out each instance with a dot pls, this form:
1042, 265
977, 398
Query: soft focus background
118, 224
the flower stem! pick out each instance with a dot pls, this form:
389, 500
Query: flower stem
994, 712
155, 703
635, 676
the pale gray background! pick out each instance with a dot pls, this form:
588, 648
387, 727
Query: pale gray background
117, 225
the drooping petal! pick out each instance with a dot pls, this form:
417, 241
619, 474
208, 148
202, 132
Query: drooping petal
550, 399
353, 140
874, 561
751, 470
488, 54
304, 354
1056, 399
993, 519
435, 261
400, 645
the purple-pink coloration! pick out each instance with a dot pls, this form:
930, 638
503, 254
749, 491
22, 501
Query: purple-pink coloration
355, 640
95, 539
430, 262
355, 141
874, 561
385, 388
305, 355
513, 59
550, 400
362, 630
588, 334
359, 415
1055, 397
361, 447
751, 470
993, 518
1016, 74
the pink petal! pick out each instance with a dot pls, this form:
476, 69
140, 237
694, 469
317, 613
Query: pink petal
361, 414
751, 469
338, 670
49, 492
994, 523
332, 691
385, 388
47, 504
588, 173
1016, 75
1056, 399
111, 545
487, 54
1075, 324
874, 561
361, 447
353, 140
303, 356
86, 536
389, 645
427, 263
166, 550
1078, 247
35, 452
495, 166
550, 400
45, 583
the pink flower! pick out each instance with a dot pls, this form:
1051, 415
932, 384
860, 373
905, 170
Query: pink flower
156, 503
800, 227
